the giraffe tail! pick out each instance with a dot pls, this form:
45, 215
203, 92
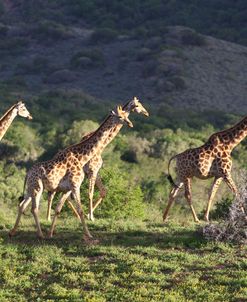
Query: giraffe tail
169, 177
20, 199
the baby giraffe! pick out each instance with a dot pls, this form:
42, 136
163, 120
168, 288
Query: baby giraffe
213, 159
64, 172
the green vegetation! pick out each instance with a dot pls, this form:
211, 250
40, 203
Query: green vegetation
222, 19
135, 261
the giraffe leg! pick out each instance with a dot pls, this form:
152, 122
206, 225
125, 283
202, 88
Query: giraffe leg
172, 195
229, 181
215, 185
50, 199
22, 207
87, 236
74, 209
57, 212
92, 180
35, 211
187, 194
102, 190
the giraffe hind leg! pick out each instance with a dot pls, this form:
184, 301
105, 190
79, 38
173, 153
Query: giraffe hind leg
22, 207
35, 212
187, 194
172, 195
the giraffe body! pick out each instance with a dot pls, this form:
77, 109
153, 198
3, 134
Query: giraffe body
64, 172
213, 159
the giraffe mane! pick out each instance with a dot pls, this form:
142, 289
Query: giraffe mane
229, 129
8, 111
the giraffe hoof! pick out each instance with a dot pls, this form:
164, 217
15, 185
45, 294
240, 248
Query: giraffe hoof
90, 217
89, 240
11, 233
49, 235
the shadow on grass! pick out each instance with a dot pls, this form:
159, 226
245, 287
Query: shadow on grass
66, 237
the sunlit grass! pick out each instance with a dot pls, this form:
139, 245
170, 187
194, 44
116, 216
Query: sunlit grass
134, 261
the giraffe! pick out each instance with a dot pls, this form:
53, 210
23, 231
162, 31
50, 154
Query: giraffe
64, 172
91, 169
17, 109
213, 159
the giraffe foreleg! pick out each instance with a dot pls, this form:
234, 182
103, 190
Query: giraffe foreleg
231, 184
215, 185
87, 236
57, 212
22, 207
92, 180
50, 199
102, 190
187, 194
172, 195
35, 211
74, 209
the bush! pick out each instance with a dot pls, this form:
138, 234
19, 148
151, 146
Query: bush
50, 30
103, 35
21, 143
92, 57
77, 131
191, 38
124, 198
13, 45
222, 209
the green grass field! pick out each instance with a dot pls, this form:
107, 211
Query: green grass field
134, 261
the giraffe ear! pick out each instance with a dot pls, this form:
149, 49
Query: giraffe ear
119, 110
113, 112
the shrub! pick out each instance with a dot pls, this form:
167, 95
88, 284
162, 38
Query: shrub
3, 28
77, 131
124, 198
21, 143
92, 57
103, 35
222, 208
191, 38
13, 45
50, 30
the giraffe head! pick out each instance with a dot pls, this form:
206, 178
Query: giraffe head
122, 116
22, 110
138, 107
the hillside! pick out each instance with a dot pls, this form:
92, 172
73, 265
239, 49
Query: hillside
178, 67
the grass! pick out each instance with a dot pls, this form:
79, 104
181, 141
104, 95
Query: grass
135, 261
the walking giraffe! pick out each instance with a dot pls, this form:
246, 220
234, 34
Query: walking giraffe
91, 169
18, 109
64, 172
213, 159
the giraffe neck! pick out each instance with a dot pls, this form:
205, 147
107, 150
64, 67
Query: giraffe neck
6, 120
234, 135
97, 142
